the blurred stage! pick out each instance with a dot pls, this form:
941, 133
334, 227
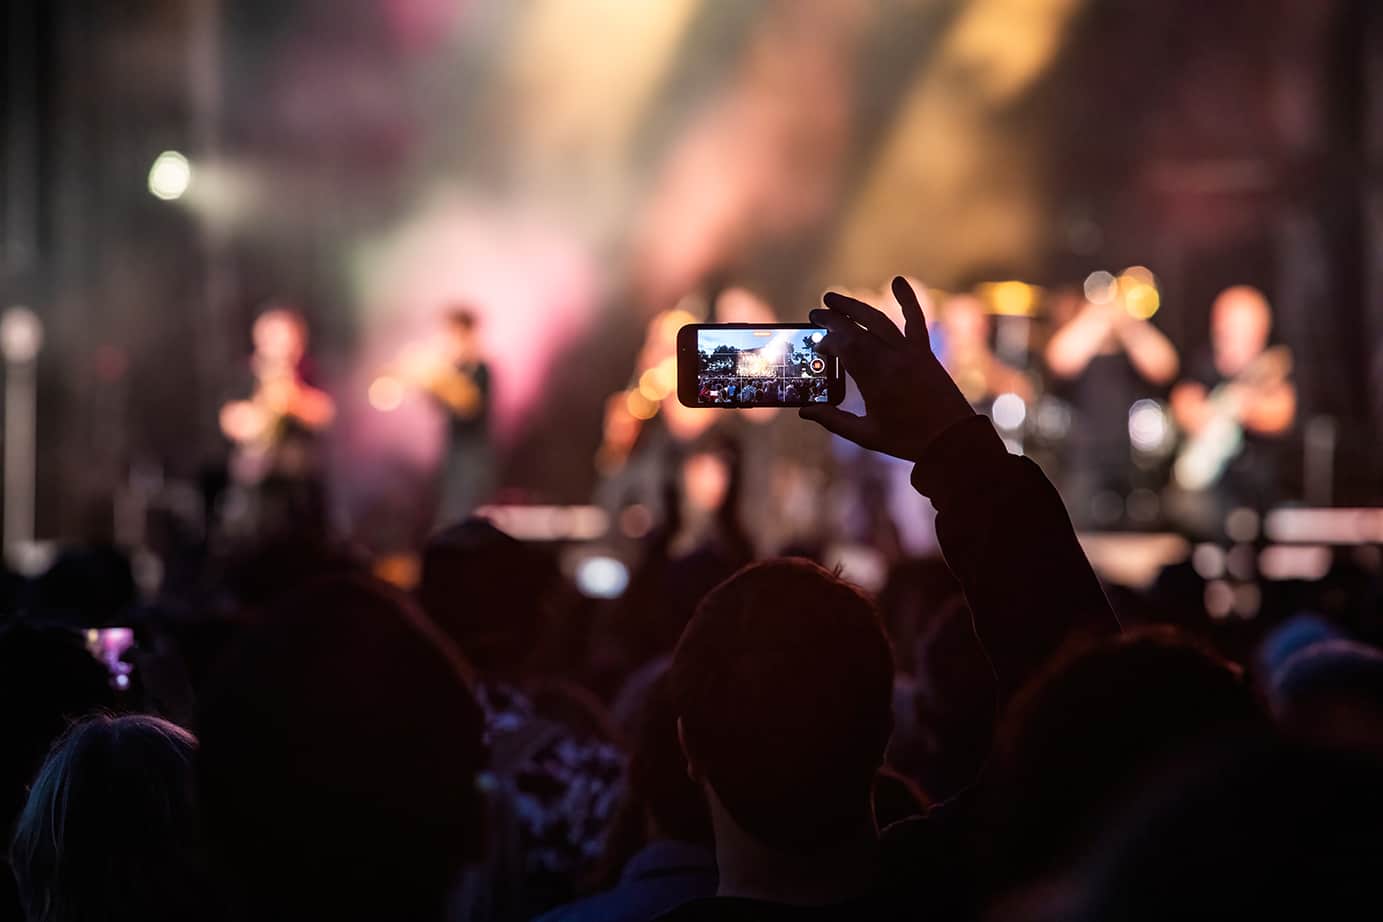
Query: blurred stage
588, 175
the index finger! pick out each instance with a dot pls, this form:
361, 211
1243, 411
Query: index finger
914, 318
843, 336
871, 318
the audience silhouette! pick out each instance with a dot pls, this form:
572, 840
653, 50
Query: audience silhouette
983, 742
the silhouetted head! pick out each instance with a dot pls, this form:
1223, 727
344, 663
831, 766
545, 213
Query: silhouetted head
1261, 832
110, 829
47, 680
1240, 322
1331, 692
459, 325
340, 749
658, 772
280, 336
783, 683
1092, 725
84, 587
486, 590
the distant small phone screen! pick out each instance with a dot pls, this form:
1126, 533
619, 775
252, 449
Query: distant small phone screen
772, 367
109, 645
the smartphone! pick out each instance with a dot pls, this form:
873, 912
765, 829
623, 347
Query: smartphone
109, 645
736, 366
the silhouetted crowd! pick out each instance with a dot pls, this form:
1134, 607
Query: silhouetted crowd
732, 739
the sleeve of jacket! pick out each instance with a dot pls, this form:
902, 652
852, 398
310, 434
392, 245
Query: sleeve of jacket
1006, 536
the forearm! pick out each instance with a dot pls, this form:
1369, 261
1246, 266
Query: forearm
459, 393
1273, 413
1007, 537
1072, 348
1151, 353
1190, 407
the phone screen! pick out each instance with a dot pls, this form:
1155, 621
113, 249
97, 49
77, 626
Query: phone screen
737, 367
109, 646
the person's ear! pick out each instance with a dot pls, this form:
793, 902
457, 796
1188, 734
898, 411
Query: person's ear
693, 772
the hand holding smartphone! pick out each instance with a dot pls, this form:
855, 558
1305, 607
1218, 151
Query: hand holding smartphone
736, 366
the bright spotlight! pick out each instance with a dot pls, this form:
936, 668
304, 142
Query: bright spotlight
602, 577
386, 393
1100, 287
1148, 427
21, 335
639, 406
1009, 411
1140, 274
1141, 300
170, 176
1014, 299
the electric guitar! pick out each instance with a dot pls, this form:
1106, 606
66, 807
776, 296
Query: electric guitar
1203, 458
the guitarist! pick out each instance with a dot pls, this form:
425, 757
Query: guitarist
1243, 389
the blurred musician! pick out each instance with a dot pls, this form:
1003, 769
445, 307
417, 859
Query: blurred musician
275, 429
1106, 359
1236, 402
453, 371
966, 353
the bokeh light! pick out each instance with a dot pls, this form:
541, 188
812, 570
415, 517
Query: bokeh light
170, 176
386, 393
1100, 287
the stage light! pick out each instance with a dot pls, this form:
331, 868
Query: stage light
1219, 599
1100, 287
1141, 300
1248, 598
1148, 428
658, 382
669, 322
1012, 299
1242, 525
1282, 562
1208, 560
665, 375
1009, 411
1326, 526
648, 387
1053, 419
170, 176
602, 577
1140, 274
21, 335
386, 393
639, 406
548, 523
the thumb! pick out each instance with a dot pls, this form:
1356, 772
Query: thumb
835, 420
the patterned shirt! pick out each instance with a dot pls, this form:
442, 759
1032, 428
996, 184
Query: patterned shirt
564, 788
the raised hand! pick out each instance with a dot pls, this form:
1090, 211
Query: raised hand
909, 398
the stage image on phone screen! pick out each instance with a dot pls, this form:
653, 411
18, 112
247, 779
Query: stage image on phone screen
761, 368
